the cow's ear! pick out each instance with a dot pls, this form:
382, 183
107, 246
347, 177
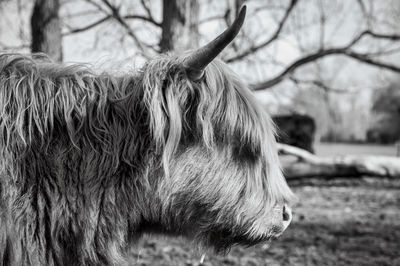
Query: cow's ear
197, 61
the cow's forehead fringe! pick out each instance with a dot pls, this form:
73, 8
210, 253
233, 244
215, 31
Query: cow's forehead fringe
223, 104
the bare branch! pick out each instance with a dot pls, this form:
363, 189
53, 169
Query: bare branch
322, 21
256, 10
300, 62
87, 27
99, 7
81, 14
365, 13
255, 48
317, 83
390, 37
365, 58
149, 17
117, 16
100, 21
268, 7
217, 17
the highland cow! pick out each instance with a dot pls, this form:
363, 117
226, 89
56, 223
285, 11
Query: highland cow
90, 162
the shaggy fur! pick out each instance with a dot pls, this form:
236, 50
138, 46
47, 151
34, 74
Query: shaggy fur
91, 162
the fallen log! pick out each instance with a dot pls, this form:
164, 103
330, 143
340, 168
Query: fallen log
310, 165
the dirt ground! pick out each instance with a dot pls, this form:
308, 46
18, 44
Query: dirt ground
336, 222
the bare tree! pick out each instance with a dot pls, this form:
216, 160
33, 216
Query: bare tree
46, 29
179, 25
346, 50
179, 29
323, 50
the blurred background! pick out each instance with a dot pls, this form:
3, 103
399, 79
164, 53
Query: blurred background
328, 72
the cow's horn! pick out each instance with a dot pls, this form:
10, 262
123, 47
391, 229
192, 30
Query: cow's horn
196, 62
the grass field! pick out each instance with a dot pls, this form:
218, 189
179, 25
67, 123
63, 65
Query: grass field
337, 222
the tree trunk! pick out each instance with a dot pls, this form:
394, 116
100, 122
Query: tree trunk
309, 165
180, 25
46, 29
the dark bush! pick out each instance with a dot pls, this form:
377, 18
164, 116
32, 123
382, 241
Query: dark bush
296, 130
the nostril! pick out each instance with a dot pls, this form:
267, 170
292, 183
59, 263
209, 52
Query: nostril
286, 214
